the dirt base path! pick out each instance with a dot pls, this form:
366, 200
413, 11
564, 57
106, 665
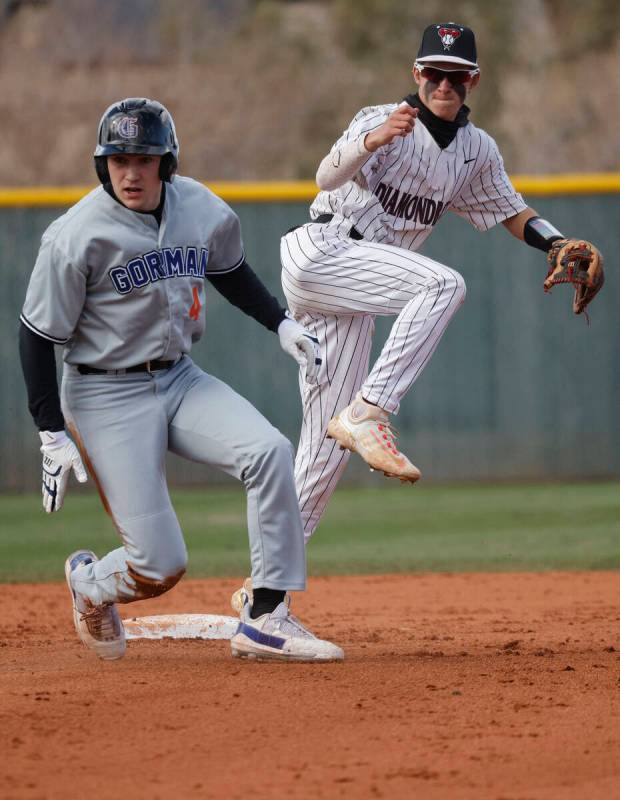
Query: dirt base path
504, 687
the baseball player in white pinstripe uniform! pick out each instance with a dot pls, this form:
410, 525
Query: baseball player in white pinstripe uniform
394, 172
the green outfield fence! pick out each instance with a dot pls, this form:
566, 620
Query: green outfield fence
518, 389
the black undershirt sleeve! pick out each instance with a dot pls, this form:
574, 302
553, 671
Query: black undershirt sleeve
38, 362
244, 289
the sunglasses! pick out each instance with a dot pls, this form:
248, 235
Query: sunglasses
455, 77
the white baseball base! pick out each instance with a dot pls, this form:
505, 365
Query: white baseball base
181, 626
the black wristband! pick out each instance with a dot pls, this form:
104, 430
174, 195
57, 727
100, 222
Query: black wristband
540, 234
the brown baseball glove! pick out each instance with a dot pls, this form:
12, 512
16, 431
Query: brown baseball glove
580, 263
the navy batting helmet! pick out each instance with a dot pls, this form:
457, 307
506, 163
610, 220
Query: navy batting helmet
137, 125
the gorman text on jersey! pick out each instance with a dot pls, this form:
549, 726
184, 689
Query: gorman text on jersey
157, 265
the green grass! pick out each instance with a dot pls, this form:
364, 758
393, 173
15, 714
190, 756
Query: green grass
388, 529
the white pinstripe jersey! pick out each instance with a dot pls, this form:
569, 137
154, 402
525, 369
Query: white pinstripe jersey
404, 188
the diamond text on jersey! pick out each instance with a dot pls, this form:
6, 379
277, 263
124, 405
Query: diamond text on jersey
419, 209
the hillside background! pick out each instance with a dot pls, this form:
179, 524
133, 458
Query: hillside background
260, 90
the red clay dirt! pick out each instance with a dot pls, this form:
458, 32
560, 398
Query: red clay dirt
468, 687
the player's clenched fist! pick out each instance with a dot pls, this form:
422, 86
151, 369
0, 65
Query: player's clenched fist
60, 456
399, 123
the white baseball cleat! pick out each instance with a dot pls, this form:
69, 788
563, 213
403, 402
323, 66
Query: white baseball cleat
365, 429
99, 627
278, 636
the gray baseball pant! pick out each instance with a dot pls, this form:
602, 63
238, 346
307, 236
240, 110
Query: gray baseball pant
124, 424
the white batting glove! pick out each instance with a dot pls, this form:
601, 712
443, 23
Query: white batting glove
302, 345
60, 456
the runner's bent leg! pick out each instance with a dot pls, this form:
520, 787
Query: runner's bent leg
120, 425
214, 425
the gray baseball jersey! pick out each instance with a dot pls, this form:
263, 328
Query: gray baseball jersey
117, 289
404, 188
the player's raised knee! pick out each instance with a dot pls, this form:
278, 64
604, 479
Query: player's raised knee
460, 288
453, 282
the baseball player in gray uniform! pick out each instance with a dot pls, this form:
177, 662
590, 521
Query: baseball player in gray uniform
120, 282
394, 172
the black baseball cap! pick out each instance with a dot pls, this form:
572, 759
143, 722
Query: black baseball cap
447, 41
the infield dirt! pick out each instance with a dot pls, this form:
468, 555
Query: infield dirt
460, 686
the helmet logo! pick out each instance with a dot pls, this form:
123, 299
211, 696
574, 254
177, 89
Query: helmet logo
448, 36
128, 127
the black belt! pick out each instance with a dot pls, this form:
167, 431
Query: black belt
322, 218
147, 366
353, 233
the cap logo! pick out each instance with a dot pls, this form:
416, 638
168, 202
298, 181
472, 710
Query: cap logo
448, 36
128, 127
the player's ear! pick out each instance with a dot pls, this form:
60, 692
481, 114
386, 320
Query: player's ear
416, 75
474, 81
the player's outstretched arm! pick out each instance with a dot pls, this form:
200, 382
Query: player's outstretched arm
574, 261
516, 225
244, 289
60, 455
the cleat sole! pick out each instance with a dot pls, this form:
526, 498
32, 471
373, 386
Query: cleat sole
264, 656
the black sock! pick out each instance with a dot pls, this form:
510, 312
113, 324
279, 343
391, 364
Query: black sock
265, 601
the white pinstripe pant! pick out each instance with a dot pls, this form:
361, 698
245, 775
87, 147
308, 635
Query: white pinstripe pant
335, 286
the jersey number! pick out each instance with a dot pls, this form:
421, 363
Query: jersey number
194, 311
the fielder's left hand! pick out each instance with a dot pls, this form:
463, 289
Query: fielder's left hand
302, 345
60, 456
